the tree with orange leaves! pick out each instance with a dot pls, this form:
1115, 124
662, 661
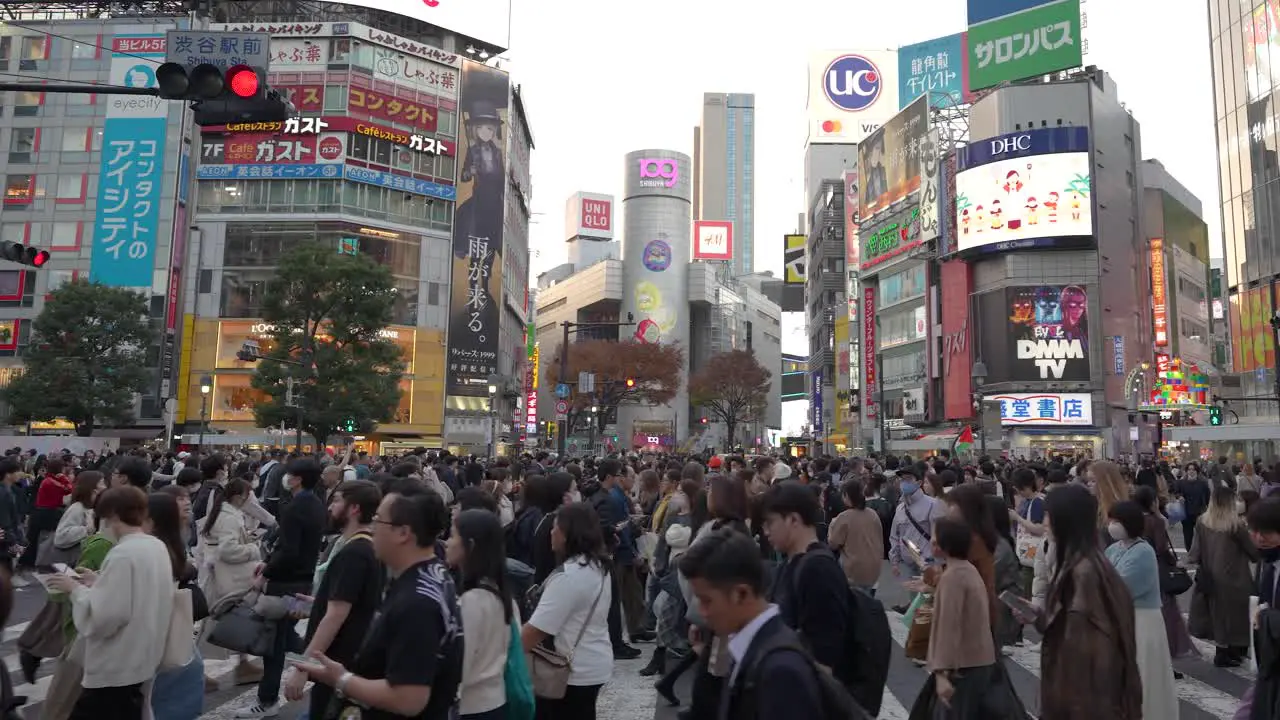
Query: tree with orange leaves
654, 369
733, 388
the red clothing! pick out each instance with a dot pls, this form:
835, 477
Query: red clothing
52, 490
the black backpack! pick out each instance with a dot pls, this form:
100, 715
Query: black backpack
837, 702
868, 642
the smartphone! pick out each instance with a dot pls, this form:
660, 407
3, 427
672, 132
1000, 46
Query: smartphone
1018, 604
298, 606
914, 549
294, 658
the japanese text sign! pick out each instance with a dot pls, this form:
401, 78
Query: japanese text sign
869, 374
392, 109
1045, 409
290, 54
1038, 41
1159, 300
939, 67
329, 171
306, 98
131, 177
217, 47
899, 234
268, 149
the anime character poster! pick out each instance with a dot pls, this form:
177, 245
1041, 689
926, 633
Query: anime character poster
1049, 328
476, 296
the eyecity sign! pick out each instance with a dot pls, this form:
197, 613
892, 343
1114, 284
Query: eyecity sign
659, 172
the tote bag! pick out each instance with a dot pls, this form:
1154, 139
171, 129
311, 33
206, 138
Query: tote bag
180, 643
520, 698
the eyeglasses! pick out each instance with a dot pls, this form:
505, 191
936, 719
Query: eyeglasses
379, 521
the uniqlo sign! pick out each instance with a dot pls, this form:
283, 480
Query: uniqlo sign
597, 215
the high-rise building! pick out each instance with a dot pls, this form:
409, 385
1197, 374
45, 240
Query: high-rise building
724, 160
1245, 115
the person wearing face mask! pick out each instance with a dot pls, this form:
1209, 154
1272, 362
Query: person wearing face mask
1222, 551
912, 521
1135, 561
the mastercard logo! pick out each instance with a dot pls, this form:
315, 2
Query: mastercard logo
832, 126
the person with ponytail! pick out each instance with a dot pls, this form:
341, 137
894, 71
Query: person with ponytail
228, 552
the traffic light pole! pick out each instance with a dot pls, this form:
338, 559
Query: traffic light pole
79, 89
562, 431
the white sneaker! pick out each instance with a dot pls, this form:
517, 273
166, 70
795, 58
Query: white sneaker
258, 710
20, 582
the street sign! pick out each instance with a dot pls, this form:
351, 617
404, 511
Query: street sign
562, 410
586, 382
562, 390
220, 49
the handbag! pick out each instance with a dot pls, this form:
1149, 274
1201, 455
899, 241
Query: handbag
1174, 580
1175, 511
241, 630
180, 643
47, 553
548, 669
917, 647
521, 702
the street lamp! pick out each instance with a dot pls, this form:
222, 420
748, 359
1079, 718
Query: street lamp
979, 376
593, 420
206, 387
493, 416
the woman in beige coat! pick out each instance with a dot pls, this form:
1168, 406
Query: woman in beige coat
228, 552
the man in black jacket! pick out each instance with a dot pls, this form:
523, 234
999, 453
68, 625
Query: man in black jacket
11, 542
811, 590
289, 570
727, 577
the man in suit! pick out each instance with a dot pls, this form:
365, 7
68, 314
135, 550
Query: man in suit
728, 580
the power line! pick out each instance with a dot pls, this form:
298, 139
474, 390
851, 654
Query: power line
79, 41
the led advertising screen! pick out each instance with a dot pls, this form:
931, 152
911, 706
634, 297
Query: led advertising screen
1028, 189
1049, 329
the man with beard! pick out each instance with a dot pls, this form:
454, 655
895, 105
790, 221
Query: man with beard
348, 588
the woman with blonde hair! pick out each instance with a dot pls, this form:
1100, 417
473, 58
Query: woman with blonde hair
1110, 488
1222, 551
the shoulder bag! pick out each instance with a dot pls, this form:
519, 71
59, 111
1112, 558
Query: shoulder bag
1028, 544
549, 669
180, 643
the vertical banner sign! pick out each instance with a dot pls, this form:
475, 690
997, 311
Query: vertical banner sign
1117, 354
869, 376
815, 402
131, 173
531, 400
929, 196
957, 358
474, 306
1159, 303
851, 221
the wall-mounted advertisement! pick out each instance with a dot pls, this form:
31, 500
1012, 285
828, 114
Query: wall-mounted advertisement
1253, 343
889, 159
851, 218
1045, 409
930, 192
474, 306
712, 240
938, 68
870, 378
1159, 299
851, 94
957, 362
1049, 328
1038, 40
815, 401
898, 234
793, 259
1261, 43
1028, 189
589, 215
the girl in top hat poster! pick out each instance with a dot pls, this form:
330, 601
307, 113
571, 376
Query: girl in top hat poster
481, 213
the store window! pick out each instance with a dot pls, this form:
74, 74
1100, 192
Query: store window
27, 104
75, 139
84, 49
902, 286
34, 47
447, 122
899, 328
71, 188
65, 236
335, 98
22, 141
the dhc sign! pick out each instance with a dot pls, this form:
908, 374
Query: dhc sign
1041, 141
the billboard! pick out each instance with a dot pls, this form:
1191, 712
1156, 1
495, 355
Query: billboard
131, 173
263, 149
889, 159
1253, 343
589, 215
712, 240
851, 219
487, 21
930, 190
957, 358
1027, 189
851, 94
898, 234
1035, 39
1261, 43
1045, 409
1047, 338
476, 283
793, 259
938, 67
1159, 301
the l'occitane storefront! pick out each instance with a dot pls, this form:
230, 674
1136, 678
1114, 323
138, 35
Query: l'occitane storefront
214, 343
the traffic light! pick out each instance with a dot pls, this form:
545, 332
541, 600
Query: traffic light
704, 421
349, 424
23, 254
1215, 415
631, 382
237, 94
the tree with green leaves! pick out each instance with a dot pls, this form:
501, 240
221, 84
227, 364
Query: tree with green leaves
86, 360
327, 314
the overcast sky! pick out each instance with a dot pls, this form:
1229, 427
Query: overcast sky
601, 80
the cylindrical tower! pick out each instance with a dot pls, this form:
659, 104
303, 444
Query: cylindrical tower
656, 209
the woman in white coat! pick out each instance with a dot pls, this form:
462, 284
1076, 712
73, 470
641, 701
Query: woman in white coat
229, 553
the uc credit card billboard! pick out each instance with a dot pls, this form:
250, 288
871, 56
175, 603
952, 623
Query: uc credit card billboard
851, 94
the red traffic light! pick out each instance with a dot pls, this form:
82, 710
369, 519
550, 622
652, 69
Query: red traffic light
631, 382
243, 81
40, 258
704, 421
23, 254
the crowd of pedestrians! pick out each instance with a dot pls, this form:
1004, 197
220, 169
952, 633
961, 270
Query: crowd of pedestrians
433, 586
